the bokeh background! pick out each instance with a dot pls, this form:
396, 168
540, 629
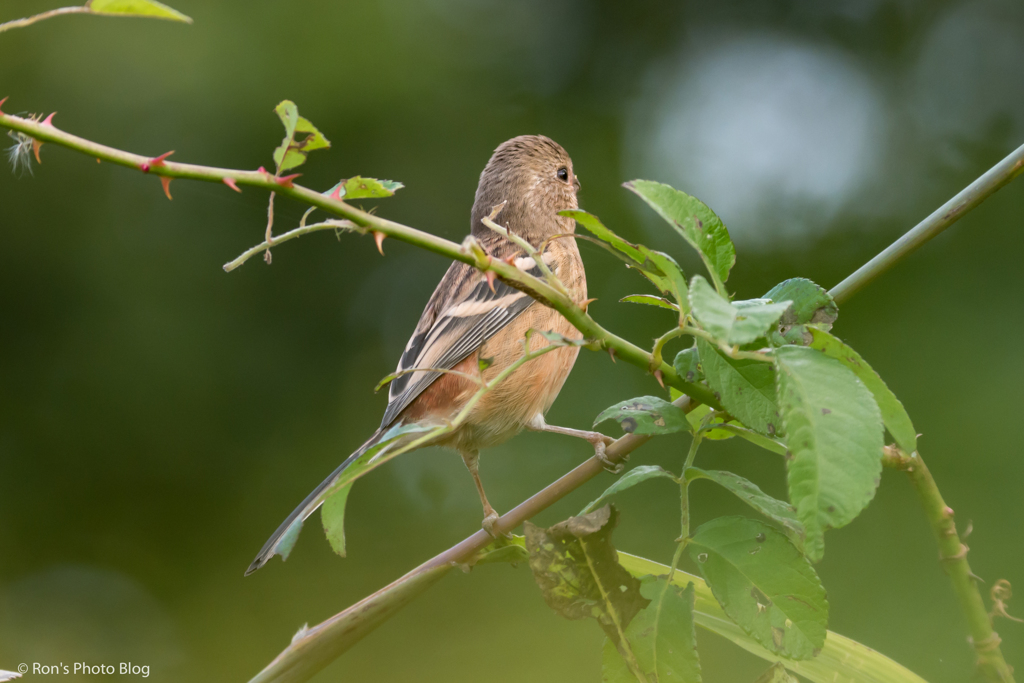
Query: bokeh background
158, 417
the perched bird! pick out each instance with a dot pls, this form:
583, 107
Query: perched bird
466, 320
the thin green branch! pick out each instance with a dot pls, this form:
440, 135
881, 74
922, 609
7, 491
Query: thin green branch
469, 252
953, 556
284, 237
940, 219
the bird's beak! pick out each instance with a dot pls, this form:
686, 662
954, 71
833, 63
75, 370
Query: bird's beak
577, 183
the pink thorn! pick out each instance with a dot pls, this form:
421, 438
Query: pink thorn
261, 170
230, 182
35, 148
287, 180
657, 376
378, 237
490, 278
337, 192
2, 105
48, 121
166, 182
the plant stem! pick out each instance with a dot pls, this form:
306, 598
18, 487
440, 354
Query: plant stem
953, 556
940, 219
28, 21
284, 237
469, 252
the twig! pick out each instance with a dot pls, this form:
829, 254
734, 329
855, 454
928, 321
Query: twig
28, 21
535, 287
953, 556
284, 237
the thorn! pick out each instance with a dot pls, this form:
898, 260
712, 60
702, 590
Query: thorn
510, 259
490, 279
2, 105
378, 237
611, 353
230, 182
337, 191
287, 180
587, 303
48, 121
145, 166
97, 160
262, 170
35, 148
166, 182
657, 376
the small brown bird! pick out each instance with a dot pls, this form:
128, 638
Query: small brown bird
466, 320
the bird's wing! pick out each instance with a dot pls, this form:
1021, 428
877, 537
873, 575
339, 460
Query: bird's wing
461, 315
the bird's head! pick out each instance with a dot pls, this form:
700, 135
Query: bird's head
534, 177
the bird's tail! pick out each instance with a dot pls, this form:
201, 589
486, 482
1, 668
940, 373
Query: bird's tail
307, 507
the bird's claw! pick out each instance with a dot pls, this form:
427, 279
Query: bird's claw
490, 519
613, 467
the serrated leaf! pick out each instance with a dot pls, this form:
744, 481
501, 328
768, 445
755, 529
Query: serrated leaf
763, 583
834, 434
137, 8
650, 300
779, 511
664, 643
332, 515
811, 304
776, 674
732, 323
746, 388
628, 480
894, 415
660, 268
696, 222
578, 571
646, 415
291, 153
687, 365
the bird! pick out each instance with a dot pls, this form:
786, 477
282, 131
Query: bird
472, 326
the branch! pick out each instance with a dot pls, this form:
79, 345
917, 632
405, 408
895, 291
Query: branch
940, 219
469, 252
28, 21
953, 556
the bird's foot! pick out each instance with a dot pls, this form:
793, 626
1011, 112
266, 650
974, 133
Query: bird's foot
491, 517
599, 453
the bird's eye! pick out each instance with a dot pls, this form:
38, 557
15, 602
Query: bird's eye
563, 174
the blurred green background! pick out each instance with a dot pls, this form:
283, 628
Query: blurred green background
158, 417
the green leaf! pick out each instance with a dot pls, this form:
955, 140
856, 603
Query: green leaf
687, 365
766, 442
332, 514
764, 584
646, 415
697, 223
578, 570
292, 153
811, 304
732, 323
137, 8
664, 643
894, 415
774, 509
746, 388
835, 440
628, 480
663, 272
776, 674
650, 300
509, 550
359, 187
696, 419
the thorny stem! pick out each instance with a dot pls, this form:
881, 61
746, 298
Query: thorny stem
536, 287
953, 556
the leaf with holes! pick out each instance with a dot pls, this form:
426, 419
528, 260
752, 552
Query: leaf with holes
779, 511
663, 642
763, 583
630, 479
578, 571
696, 222
646, 415
137, 8
834, 434
894, 415
292, 153
746, 388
